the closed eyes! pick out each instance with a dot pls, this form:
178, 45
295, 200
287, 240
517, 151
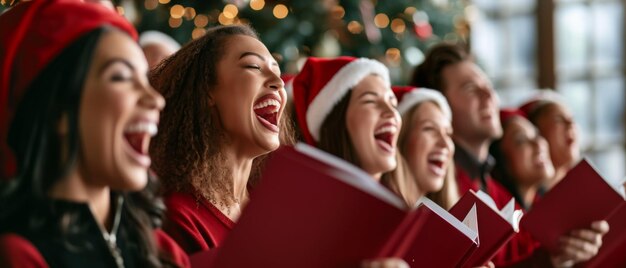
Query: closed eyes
120, 78
253, 66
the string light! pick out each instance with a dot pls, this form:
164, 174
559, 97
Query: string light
413, 56
338, 12
410, 10
230, 11
177, 11
257, 4
201, 21
151, 4
197, 33
381, 20
280, 11
393, 56
175, 23
398, 25
355, 27
163, 2
190, 13
223, 20
419, 17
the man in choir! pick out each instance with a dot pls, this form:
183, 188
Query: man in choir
474, 103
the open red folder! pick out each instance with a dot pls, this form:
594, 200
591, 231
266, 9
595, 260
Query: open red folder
612, 254
312, 209
429, 237
581, 198
495, 227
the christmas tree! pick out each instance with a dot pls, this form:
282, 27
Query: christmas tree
393, 31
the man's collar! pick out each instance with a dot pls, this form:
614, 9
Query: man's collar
469, 163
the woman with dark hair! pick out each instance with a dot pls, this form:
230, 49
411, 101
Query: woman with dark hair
425, 142
522, 164
522, 158
345, 106
225, 112
81, 113
556, 124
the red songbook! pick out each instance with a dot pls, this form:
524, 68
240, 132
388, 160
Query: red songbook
612, 254
495, 227
312, 209
581, 198
431, 237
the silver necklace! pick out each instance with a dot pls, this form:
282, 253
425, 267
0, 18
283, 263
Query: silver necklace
111, 238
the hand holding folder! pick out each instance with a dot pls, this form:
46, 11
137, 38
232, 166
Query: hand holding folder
612, 253
582, 197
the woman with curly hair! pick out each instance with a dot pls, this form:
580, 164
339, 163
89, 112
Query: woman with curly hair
225, 112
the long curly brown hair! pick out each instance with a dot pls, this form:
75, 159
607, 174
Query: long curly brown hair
187, 150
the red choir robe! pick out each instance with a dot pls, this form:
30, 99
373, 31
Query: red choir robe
195, 223
522, 250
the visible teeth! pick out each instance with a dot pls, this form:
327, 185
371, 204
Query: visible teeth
437, 157
386, 129
142, 127
268, 102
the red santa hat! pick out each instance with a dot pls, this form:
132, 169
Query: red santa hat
507, 114
409, 96
322, 83
32, 34
540, 99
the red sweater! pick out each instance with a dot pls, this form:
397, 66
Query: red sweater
196, 224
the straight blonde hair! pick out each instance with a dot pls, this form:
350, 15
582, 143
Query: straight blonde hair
449, 193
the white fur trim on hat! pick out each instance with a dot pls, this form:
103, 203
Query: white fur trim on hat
289, 89
410, 99
342, 82
158, 38
549, 95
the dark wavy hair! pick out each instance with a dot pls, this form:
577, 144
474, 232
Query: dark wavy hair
44, 157
186, 151
501, 171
